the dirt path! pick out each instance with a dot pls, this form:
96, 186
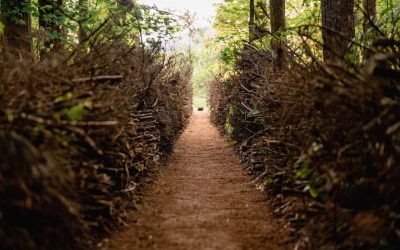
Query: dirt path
202, 200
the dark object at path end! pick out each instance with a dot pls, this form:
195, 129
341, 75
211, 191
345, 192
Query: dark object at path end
200, 109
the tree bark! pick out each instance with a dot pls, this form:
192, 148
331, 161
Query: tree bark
83, 6
338, 28
17, 39
49, 23
252, 21
278, 24
369, 19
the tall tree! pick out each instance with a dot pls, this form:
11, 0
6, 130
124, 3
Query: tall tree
338, 27
369, 19
252, 21
17, 39
83, 7
50, 22
278, 24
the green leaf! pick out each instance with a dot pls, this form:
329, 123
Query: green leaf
304, 172
267, 182
68, 96
1, 28
351, 57
313, 192
76, 113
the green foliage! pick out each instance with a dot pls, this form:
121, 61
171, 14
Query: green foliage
1, 28
76, 113
304, 172
267, 182
157, 24
231, 26
228, 55
314, 192
389, 17
205, 66
100, 13
303, 22
74, 18
68, 96
15, 11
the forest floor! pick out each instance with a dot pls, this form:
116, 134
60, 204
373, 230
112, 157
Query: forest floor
202, 199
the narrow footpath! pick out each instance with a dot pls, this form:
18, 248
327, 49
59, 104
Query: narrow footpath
202, 199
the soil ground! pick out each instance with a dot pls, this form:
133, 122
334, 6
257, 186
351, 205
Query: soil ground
202, 199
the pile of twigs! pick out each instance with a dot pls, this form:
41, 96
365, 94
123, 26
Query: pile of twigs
76, 133
325, 141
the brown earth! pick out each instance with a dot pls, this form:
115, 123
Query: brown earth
202, 199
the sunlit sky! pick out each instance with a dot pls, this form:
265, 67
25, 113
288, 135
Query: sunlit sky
204, 9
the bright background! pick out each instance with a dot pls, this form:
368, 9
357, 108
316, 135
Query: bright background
204, 9
204, 58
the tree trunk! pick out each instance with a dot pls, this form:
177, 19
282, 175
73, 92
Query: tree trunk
49, 14
370, 17
278, 24
338, 28
17, 39
83, 6
252, 21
